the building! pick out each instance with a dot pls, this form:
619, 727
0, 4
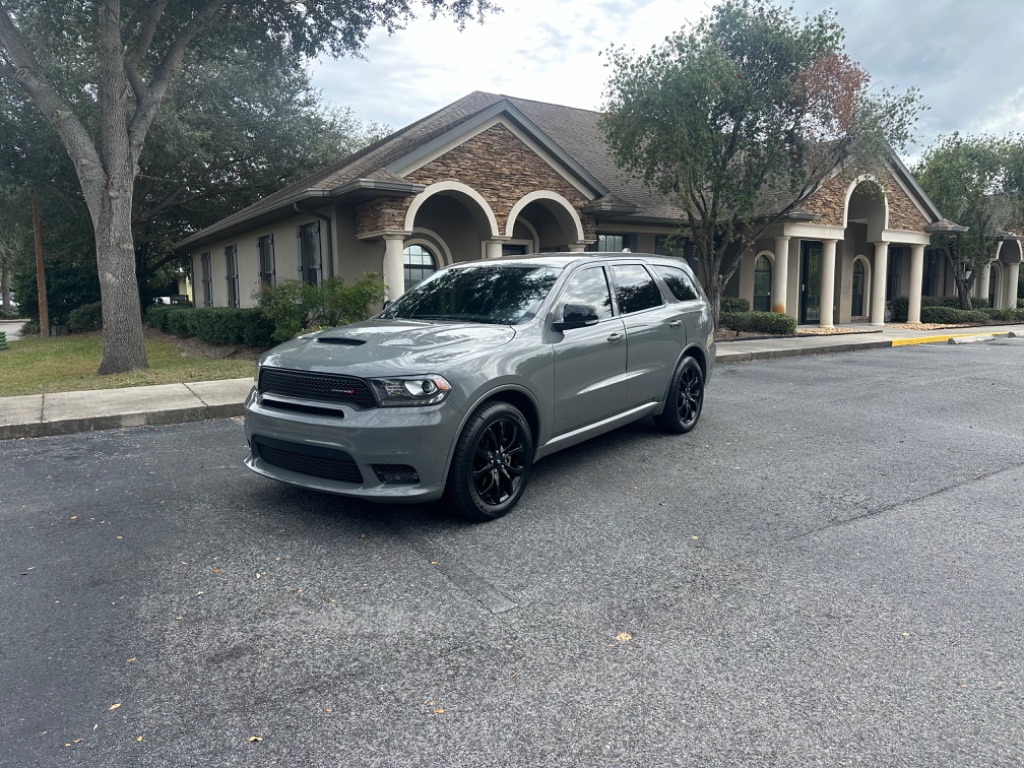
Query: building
491, 175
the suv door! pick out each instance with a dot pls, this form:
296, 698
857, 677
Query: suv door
590, 362
655, 333
692, 306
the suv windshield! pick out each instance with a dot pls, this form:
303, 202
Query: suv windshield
503, 294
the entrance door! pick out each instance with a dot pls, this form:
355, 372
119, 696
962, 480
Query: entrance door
810, 282
859, 281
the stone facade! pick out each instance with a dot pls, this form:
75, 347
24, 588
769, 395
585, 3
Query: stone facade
501, 168
830, 203
380, 214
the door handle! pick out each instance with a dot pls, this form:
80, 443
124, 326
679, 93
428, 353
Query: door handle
675, 323
616, 337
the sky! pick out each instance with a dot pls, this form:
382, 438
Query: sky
961, 54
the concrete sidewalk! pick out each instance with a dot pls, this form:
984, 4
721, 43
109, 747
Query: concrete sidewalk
66, 412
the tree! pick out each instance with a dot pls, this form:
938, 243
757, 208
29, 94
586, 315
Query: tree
973, 180
741, 117
134, 50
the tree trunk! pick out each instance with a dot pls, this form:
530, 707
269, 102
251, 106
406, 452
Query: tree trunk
5, 286
123, 344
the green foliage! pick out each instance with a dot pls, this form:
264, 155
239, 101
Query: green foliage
899, 309
86, 318
734, 304
156, 315
220, 326
297, 307
953, 316
751, 99
1007, 315
759, 322
971, 179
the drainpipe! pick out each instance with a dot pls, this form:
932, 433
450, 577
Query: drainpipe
330, 237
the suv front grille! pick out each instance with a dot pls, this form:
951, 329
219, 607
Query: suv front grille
326, 387
308, 460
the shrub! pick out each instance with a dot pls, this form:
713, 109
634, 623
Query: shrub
294, 307
899, 309
951, 315
31, 328
1004, 315
732, 304
156, 314
181, 322
759, 322
87, 318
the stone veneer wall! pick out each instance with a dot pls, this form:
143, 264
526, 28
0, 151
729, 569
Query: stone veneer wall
497, 164
830, 201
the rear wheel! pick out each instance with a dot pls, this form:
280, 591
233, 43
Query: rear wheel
491, 463
685, 399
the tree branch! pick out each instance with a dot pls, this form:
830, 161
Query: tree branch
28, 74
134, 59
149, 102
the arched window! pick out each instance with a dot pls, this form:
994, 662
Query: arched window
857, 306
419, 263
762, 284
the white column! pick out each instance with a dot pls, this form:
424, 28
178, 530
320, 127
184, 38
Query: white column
878, 275
984, 283
916, 278
492, 249
394, 265
577, 247
828, 283
780, 274
1012, 273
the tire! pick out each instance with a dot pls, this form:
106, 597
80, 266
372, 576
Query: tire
491, 464
685, 399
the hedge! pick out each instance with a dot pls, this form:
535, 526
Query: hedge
220, 325
156, 315
733, 304
86, 318
950, 315
759, 322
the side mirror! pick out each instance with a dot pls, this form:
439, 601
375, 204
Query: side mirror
576, 316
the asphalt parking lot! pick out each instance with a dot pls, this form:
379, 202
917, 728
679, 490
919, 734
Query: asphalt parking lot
826, 572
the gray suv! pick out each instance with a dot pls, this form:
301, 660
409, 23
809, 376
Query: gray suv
458, 387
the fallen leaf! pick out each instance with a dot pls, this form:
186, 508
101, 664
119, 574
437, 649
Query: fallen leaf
695, 538
255, 739
120, 538
95, 727
328, 710
30, 568
78, 741
138, 738
215, 570
132, 660
259, 575
623, 637
112, 707
74, 517
438, 711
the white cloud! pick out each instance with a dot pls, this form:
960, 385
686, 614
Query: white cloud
960, 53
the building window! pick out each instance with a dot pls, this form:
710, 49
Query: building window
894, 276
859, 281
265, 250
207, 280
762, 284
231, 259
930, 279
419, 263
614, 243
310, 263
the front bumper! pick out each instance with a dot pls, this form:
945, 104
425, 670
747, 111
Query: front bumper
418, 437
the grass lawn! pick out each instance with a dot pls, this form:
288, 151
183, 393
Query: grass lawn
30, 366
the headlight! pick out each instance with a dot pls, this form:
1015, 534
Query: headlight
411, 390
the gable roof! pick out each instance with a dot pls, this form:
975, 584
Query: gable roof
571, 137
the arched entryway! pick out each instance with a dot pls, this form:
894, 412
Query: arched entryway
545, 220
865, 227
860, 288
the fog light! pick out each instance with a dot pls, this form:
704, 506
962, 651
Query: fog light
396, 474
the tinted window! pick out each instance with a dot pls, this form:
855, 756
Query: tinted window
589, 286
679, 283
635, 289
483, 293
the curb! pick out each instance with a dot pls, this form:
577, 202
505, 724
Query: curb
773, 354
122, 420
946, 338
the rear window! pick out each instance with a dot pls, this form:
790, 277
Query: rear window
679, 283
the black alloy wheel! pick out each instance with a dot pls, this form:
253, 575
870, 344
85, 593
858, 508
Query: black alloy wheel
491, 463
685, 399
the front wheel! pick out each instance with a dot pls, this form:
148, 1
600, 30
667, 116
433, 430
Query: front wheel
685, 399
491, 463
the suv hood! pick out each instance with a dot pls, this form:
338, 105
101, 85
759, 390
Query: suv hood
387, 347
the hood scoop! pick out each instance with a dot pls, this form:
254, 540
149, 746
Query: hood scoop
341, 340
